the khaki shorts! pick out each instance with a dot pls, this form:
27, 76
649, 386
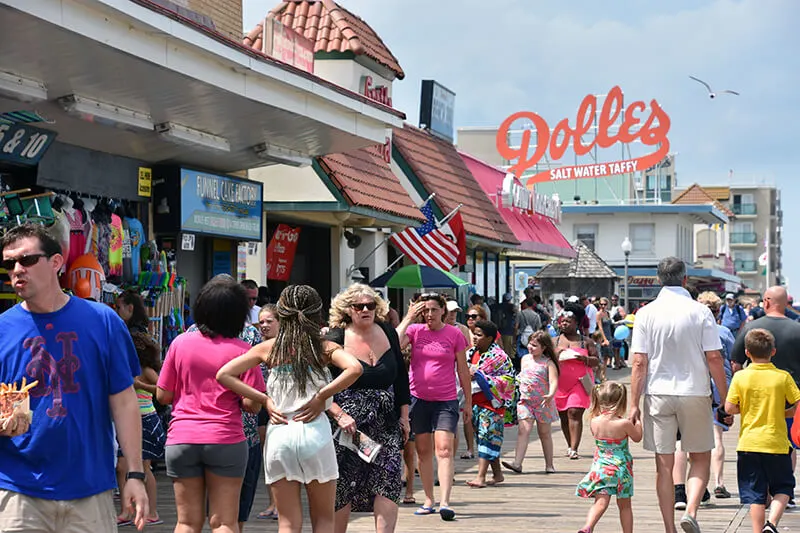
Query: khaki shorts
665, 416
94, 514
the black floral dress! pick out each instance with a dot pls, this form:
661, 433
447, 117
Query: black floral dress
374, 403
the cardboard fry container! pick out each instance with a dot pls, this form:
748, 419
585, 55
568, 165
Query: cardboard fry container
13, 402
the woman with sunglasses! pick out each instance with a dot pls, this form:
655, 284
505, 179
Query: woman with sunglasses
376, 405
435, 348
474, 314
576, 357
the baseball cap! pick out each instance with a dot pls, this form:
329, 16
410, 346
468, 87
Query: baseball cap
573, 299
507, 297
729, 296
452, 305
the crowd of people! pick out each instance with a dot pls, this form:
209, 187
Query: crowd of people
348, 402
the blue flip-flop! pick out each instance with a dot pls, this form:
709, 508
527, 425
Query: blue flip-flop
423, 511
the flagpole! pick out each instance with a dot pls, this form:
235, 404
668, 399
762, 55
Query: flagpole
768, 258
450, 215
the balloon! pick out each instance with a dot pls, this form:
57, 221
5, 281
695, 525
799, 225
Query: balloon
622, 333
83, 288
629, 320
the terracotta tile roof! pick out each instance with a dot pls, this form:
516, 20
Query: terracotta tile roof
696, 195
332, 28
585, 265
366, 180
441, 170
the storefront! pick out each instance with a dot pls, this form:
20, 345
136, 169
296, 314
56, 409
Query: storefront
200, 218
136, 96
532, 218
644, 286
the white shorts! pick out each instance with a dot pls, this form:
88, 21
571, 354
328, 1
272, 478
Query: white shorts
665, 416
300, 452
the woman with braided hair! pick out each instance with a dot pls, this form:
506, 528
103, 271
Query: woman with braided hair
299, 391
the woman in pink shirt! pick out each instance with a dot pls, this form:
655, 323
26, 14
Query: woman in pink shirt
206, 450
435, 348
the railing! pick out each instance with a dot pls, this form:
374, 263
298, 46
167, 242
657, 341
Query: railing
744, 209
743, 237
745, 265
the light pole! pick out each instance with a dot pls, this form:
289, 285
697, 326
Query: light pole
626, 249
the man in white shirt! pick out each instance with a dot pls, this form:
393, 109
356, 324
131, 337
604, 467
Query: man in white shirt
591, 313
675, 347
251, 287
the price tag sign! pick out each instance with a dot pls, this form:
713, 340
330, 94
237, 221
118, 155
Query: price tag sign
24, 144
187, 242
145, 181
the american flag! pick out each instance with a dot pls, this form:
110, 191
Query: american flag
427, 244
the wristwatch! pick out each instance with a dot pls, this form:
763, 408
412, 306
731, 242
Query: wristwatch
135, 475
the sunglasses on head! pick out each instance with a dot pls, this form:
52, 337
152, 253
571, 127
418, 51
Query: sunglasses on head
364, 307
568, 314
473, 317
24, 260
429, 296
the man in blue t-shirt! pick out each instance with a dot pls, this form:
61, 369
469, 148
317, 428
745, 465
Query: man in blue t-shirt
57, 471
732, 315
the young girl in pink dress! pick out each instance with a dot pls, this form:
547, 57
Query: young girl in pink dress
538, 382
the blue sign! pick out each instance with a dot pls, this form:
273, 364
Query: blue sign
221, 205
20, 143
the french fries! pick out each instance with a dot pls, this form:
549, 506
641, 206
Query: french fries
15, 398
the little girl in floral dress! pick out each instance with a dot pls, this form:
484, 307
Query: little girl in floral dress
538, 382
612, 469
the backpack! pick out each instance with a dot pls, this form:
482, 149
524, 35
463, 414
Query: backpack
738, 309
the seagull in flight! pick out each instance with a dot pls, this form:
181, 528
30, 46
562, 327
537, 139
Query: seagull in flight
711, 93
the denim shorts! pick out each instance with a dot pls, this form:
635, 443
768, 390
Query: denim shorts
762, 473
193, 460
250, 482
427, 417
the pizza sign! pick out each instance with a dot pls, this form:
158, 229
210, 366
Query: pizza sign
639, 122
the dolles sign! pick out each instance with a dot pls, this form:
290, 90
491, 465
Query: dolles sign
650, 132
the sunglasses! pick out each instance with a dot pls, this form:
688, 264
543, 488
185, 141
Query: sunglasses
473, 317
568, 314
429, 296
371, 306
24, 260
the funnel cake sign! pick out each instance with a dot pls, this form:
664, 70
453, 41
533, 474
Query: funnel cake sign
649, 129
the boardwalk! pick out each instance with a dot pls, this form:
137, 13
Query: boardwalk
534, 501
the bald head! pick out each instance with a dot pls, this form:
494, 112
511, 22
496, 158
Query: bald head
775, 300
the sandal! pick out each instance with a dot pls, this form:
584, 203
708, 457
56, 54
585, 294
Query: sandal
409, 500
154, 521
424, 511
550, 470
267, 515
124, 522
512, 467
573, 455
474, 485
468, 455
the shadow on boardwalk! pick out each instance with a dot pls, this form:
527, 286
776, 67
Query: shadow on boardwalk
533, 501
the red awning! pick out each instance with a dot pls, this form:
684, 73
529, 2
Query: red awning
536, 233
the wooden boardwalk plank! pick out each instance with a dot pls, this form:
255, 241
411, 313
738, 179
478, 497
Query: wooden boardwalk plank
533, 501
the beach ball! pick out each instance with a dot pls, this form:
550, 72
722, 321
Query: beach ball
622, 332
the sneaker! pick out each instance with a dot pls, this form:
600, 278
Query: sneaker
706, 498
689, 524
680, 497
769, 527
791, 504
721, 493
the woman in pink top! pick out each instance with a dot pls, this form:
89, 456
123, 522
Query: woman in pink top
435, 348
206, 450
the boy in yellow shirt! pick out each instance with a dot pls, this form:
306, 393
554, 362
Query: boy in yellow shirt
760, 393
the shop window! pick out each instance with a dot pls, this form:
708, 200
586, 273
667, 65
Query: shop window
587, 234
643, 238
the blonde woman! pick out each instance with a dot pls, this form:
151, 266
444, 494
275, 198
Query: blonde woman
376, 404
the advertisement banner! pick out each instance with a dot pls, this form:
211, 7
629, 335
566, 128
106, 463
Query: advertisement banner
280, 252
616, 123
221, 205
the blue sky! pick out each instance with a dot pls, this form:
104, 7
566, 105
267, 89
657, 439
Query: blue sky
504, 56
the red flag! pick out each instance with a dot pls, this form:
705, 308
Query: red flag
454, 228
